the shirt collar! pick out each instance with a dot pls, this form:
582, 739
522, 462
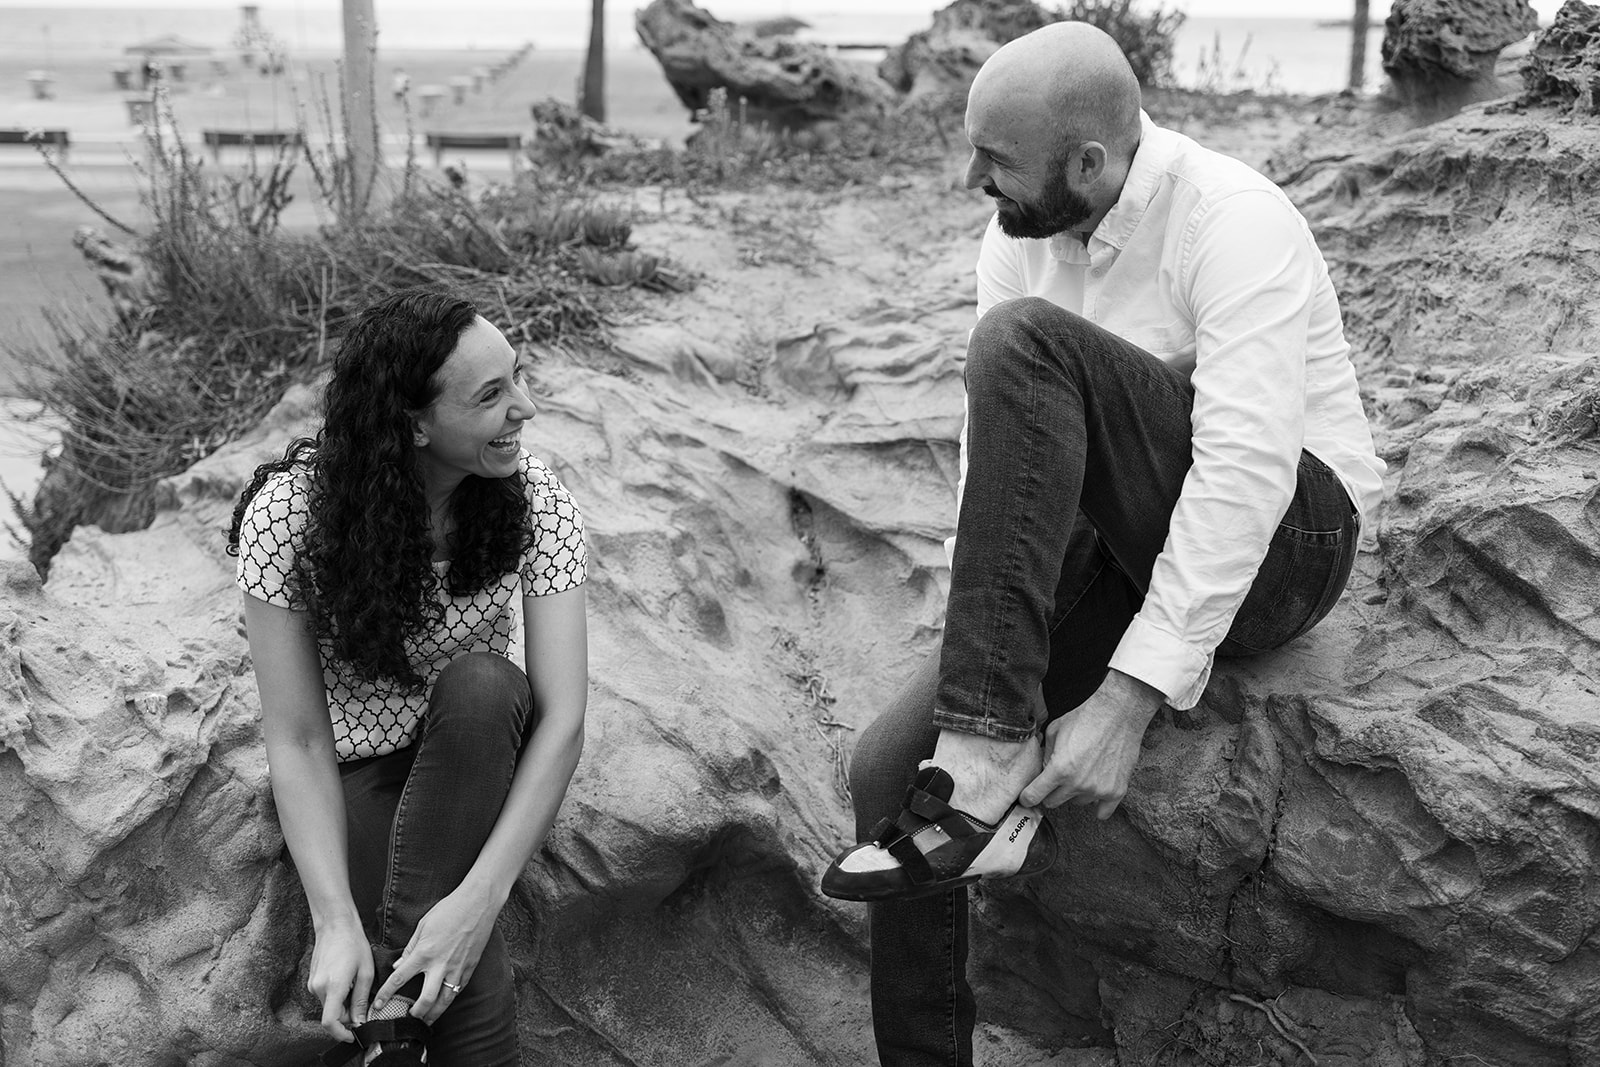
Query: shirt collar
1066, 248
1150, 162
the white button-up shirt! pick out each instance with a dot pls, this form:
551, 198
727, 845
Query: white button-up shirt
1208, 266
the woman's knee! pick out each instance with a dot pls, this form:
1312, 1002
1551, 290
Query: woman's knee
482, 684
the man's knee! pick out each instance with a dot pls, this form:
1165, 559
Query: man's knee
1022, 327
1028, 315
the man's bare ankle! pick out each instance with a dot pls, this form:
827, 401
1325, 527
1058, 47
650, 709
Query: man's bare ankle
988, 773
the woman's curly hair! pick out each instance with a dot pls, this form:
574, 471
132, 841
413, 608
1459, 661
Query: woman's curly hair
363, 572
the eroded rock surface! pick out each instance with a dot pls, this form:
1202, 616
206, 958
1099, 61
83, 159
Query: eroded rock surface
787, 82
1564, 65
1440, 54
144, 915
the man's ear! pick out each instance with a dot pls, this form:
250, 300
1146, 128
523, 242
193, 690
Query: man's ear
1089, 162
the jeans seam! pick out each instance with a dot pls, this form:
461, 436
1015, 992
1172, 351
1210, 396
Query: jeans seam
950, 979
1061, 616
394, 852
1000, 634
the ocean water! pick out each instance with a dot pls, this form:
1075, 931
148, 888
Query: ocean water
1290, 54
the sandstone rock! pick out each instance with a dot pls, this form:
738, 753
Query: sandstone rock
145, 914
1564, 64
783, 81
1440, 54
1512, 187
945, 58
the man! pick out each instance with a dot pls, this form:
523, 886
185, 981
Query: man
1165, 459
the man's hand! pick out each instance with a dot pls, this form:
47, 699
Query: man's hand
1090, 751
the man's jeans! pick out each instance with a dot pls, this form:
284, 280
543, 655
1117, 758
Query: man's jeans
417, 820
1077, 445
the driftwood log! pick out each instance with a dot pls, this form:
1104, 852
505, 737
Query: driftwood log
780, 80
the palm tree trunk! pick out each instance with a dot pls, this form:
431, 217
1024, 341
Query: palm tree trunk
592, 98
359, 105
1358, 46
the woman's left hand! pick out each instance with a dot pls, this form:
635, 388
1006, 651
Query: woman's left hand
444, 949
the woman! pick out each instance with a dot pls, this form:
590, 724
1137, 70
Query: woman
415, 768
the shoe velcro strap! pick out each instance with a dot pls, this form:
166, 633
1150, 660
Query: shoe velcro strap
913, 862
885, 832
404, 1028
938, 811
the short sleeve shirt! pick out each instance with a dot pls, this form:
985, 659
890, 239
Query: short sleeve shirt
376, 718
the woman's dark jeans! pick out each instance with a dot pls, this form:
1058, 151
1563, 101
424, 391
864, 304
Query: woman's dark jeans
417, 821
1081, 440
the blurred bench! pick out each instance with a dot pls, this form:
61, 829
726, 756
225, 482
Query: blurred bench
510, 142
217, 140
58, 138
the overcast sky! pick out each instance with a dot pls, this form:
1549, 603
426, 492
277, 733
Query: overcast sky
742, 8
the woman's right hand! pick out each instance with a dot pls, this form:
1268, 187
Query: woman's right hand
341, 973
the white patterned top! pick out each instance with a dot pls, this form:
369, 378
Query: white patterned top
376, 718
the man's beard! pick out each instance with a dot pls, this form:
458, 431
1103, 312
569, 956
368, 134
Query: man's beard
1059, 209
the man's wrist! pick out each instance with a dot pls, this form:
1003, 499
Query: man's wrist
1139, 697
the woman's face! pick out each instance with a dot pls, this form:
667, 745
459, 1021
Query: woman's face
475, 424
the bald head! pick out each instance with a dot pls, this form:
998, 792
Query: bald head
1069, 81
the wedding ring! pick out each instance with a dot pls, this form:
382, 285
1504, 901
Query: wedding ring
451, 986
